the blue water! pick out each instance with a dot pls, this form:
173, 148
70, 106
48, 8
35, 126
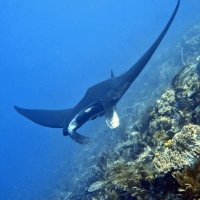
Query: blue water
50, 53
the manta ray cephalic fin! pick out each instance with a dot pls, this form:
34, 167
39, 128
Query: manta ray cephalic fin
80, 138
112, 119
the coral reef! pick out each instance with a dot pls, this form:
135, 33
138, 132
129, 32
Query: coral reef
157, 152
189, 181
183, 150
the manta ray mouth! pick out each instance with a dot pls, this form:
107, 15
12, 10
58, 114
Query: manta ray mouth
91, 112
73, 125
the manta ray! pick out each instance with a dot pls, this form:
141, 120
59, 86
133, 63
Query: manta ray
99, 100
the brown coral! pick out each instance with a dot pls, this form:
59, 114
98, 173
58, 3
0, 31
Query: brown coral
189, 180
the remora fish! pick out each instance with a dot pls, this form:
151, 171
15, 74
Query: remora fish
99, 100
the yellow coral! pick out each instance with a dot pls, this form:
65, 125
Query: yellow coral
157, 154
168, 142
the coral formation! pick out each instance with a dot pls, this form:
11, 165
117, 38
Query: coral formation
165, 104
157, 155
183, 150
189, 181
95, 186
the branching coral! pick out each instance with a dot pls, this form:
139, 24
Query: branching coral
189, 181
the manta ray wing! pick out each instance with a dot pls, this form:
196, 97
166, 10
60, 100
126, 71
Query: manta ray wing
48, 118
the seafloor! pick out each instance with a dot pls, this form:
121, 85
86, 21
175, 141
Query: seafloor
156, 152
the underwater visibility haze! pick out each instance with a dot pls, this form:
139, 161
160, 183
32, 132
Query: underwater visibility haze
51, 52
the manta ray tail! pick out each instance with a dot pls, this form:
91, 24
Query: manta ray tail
48, 118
